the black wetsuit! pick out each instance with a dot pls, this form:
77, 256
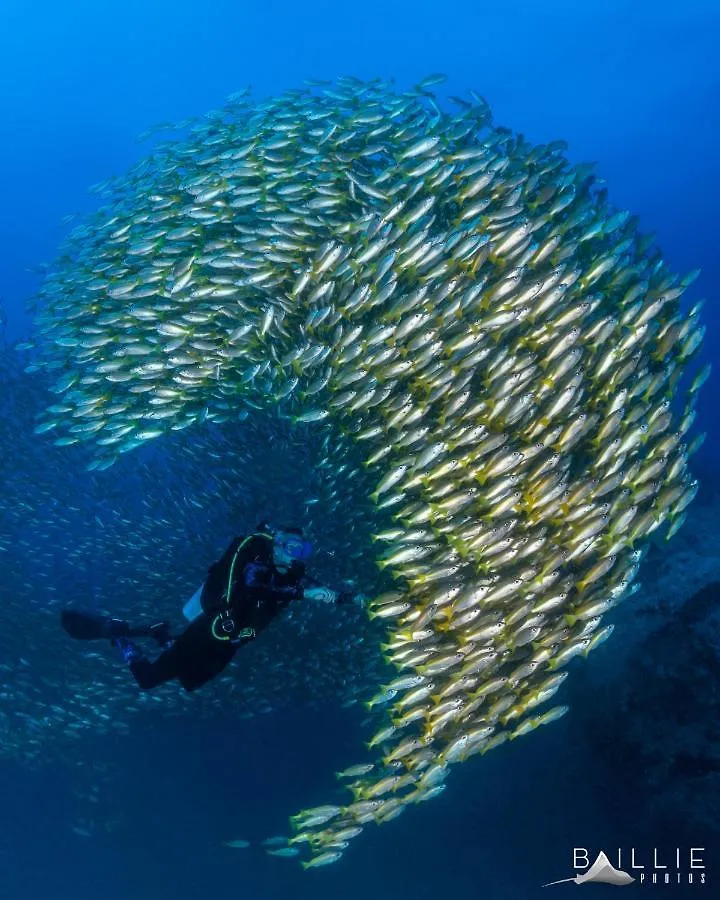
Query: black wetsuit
259, 592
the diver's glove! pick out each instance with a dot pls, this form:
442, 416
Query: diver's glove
321, 594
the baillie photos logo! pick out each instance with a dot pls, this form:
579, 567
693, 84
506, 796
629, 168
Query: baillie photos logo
680, 867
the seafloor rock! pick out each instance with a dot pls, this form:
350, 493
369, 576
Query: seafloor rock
659, 727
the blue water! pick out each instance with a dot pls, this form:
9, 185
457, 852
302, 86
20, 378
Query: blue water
632, 85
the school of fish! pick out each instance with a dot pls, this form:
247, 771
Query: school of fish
444, 312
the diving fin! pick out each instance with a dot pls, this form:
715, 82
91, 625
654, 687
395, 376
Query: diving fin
87, 626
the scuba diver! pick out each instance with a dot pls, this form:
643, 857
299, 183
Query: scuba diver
257, 577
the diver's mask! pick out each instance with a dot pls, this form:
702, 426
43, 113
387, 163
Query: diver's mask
292, 546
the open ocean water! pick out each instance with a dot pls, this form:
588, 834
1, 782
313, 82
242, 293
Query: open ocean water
109, 793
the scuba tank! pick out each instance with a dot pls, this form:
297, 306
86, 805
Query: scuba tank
193, 608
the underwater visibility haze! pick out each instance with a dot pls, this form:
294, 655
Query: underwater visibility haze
436, 288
